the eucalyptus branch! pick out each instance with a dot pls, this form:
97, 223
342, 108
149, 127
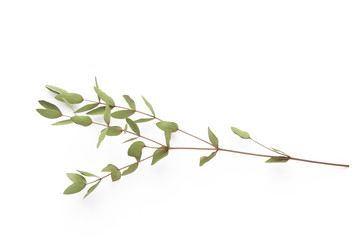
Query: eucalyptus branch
105, 109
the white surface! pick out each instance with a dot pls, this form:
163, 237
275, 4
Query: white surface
285, 71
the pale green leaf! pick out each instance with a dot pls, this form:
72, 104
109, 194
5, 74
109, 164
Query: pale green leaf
92, 188
55, 89
205, 159
149, 106
135, 150
280, 152
130, 102
130, 169
167, 138
49, 113
122, 114
113, 131
131, 139
82, 120
277, 160
125, 129
87, 107
75, 188
97, 111
72, 98
107, 99
167, 126
142, 120
133, 126
48, 105
87, 174
107, 114
63, 122
240, 133
97, 85
159, 154
68, 104
213, 139
101, 137
115, 172
74, 177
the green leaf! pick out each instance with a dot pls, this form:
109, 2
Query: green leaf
205, 159
167, 126
72, 98
280, 152
131, 139
87, 174
277, 160
160, 153
74, 177
97, 85
114, 131
92, 189
133, 126
167, 138
106, 98
49, 113
122, 114
107, 114
125, 129
48, 105
135, 150
64, 122
68, 104
240, 133
130, 102
97, 111
130, 169
55, 89
115, 172
142, 120
82, 120
75, 188
101, 137
213, 139
87, 107
149, 106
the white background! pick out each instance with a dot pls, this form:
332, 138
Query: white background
285, 71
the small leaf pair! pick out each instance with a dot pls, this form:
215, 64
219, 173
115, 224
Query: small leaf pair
51, 111
168, 128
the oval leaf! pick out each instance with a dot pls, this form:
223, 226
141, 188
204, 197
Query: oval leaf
135, 150
101, 137
114, 131
87, 174
160, 153
64, 122
107, 114
133, 126
48, 105
149, 106
205, 159
55, 89
87, 107
277, 160
122, 114
130, 169
97, 111
74, 177
130, 102
72, 98
167, 126
92, 189
49, 113
240, 133
142, 120
213, 139
106, 98
82, 120
167, 138
75, 188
